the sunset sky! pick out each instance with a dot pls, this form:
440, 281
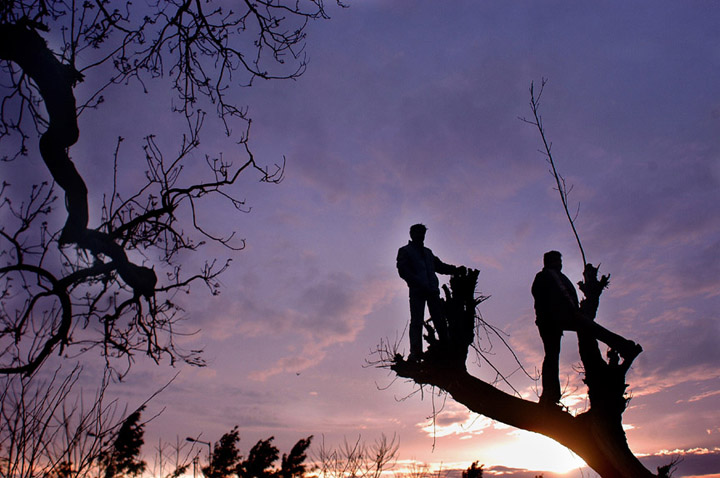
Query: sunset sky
408, 112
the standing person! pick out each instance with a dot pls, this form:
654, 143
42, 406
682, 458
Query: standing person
556, 310
417, 266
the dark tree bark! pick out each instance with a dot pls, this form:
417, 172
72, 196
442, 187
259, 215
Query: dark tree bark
596, 435
55, 81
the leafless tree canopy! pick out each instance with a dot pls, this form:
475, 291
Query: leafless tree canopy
50, 428
357, 459
64, 285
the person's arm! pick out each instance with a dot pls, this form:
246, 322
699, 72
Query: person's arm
442, 268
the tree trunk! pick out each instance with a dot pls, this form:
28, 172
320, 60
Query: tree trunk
21, 44
596, 435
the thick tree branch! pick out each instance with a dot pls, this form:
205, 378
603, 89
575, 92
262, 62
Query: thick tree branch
24, 46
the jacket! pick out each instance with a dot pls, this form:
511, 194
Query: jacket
417, 266
555, 298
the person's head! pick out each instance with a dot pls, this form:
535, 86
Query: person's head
553, 260
417, 233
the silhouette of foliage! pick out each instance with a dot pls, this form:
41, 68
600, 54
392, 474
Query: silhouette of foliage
293, 464
473, 471
226, 461
259, 461
123, 457
225, 458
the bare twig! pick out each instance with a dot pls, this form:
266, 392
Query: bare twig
559, 179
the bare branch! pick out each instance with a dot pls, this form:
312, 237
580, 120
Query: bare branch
559, 180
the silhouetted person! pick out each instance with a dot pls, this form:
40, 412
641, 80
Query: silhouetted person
557, 309
417, 265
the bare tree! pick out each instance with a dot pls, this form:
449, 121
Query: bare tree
357, 459
596, 434
64, 283
172, 460
50, 428
416, 469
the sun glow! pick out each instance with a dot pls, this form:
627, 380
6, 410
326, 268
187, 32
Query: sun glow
500, 444
536, 452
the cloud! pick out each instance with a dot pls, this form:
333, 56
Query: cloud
457, 420
309, 356
694, 461
701, 396
648, 384
658, 205
511, 472
681, 347
326, 312
691, 463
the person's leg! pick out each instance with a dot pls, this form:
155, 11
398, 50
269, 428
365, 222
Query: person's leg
417, 318
551, 365
625, 347
437, 315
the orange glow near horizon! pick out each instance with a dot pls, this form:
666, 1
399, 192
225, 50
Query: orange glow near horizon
536, 452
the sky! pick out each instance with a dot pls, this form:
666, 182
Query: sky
409, 112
